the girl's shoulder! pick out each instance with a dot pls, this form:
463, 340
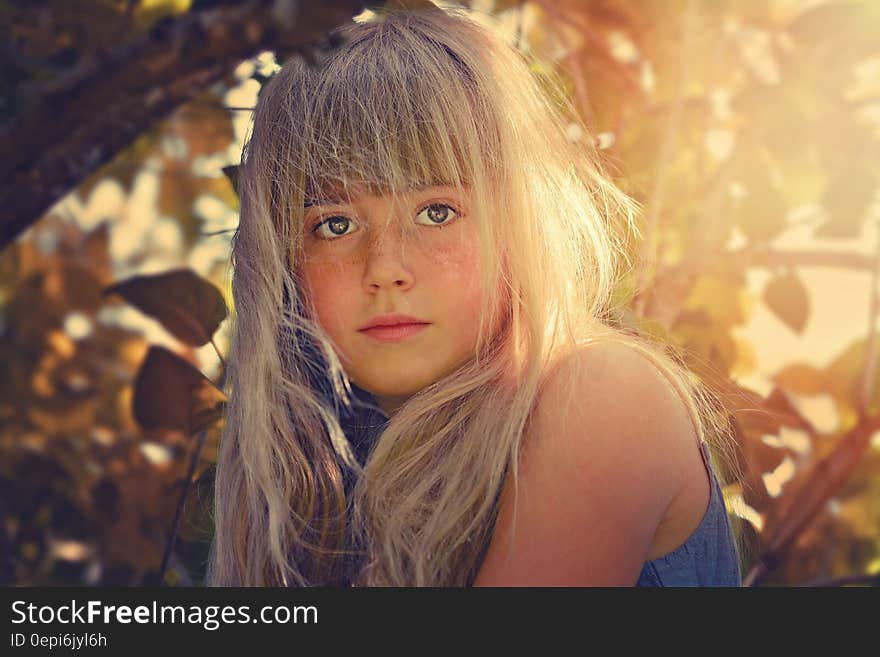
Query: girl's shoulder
602, 462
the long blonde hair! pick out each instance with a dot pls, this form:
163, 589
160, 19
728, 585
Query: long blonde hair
406, 98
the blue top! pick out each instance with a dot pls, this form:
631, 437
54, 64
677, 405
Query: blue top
709, 557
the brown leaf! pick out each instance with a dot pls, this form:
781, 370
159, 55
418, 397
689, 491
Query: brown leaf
169, 393
187, 305
231, 172
785, 413
801, 379
209, 405
787, 298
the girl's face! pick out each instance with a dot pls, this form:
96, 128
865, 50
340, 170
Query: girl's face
359, 264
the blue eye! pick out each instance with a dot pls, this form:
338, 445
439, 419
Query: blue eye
438, 214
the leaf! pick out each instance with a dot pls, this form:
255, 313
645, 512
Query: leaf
845, 374
783, 412
801, 379
190, 307
841, 378
787, 298
231, 172
169, 393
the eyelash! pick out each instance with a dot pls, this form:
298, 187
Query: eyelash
325, 219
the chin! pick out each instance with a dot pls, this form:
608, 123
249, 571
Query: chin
394, 392
394, 389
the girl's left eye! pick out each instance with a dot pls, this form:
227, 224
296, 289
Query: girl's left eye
438, 214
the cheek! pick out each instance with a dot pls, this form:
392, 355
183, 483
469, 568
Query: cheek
460, 285
322, 286
460, 281
457, 263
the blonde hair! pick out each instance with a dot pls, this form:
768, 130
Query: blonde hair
409, 98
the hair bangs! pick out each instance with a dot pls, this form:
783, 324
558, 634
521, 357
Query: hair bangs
393, 111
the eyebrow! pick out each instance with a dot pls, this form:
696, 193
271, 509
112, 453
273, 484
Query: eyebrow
323, 201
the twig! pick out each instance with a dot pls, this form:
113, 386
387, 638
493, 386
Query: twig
175, 524
217, 351
178, 512
218, 232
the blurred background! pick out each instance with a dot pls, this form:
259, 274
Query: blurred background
749, 131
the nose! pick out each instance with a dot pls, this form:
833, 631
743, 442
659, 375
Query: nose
386, 265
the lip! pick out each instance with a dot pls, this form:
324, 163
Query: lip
392, 319
395, 332
393, 327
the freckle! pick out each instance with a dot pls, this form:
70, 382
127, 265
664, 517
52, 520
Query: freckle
443, 256
456, 260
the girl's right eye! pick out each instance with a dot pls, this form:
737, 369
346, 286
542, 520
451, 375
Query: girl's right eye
333, 227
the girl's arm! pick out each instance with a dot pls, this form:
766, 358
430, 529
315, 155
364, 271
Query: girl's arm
597, 476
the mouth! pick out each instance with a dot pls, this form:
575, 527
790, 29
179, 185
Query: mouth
395, 332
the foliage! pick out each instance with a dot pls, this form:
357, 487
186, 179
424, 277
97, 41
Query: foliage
732, 122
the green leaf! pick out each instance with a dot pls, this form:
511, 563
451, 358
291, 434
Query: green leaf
190, 307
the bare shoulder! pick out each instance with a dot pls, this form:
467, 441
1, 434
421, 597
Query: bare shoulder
624, 400
600, 465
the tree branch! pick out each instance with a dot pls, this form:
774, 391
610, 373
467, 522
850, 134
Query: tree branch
805, 503
80, 122
178, 511
866, 389
765, 257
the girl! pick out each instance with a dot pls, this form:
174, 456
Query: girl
424, 386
